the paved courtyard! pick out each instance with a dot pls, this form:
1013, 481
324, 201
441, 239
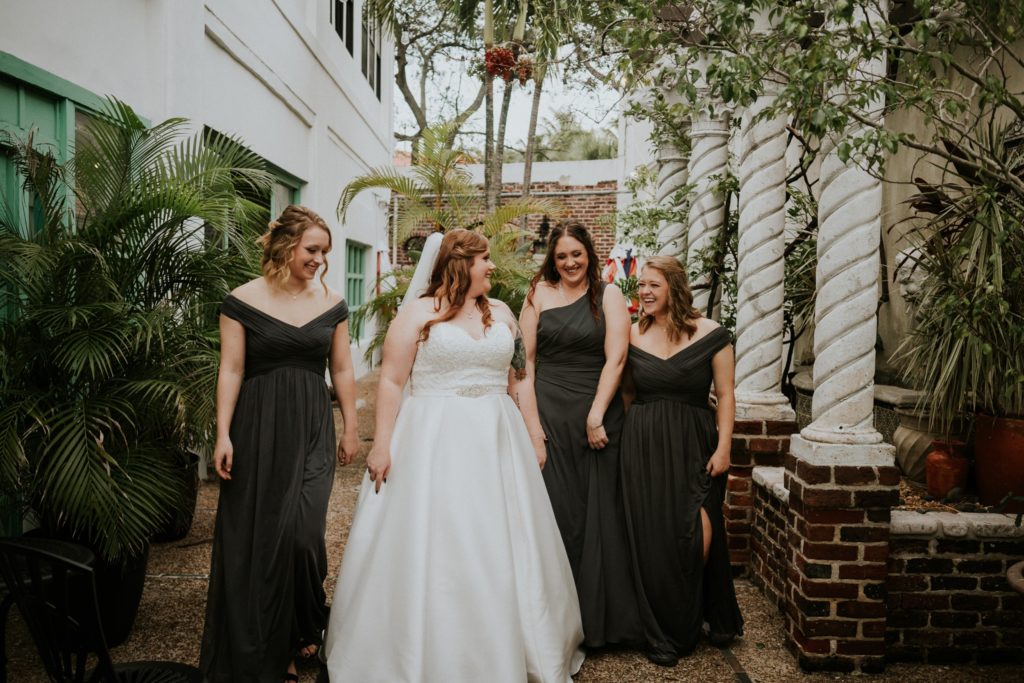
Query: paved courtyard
170, 619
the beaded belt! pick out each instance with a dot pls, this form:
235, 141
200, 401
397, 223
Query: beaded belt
471, 391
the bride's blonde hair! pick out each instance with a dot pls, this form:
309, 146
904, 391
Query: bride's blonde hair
450, 278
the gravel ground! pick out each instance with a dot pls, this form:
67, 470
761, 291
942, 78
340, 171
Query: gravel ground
170, 620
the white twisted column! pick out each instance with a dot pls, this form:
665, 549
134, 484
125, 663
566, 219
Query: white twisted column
761, 269
850, 228
672, 177
709, 159
849, 212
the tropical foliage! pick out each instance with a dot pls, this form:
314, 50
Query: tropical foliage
437, 194
968, 345
111, 270
936, 82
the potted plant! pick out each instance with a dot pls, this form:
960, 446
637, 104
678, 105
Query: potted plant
111, 269
967, 350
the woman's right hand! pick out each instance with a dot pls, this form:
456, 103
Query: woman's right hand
223, 454
378, 464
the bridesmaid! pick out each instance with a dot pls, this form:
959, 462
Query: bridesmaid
275, 455
576, 334
675, 454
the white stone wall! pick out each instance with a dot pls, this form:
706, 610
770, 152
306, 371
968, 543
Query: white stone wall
273, 72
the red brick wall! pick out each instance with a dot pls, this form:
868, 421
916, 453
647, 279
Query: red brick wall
856, 594
590, 204
949, 601
755, 443
768, 546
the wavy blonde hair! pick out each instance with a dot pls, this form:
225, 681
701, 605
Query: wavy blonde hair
450, 278
682, 315
281, 238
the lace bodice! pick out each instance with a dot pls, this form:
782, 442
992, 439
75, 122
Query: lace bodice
453, 363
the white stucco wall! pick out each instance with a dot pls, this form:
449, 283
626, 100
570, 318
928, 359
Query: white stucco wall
273, 72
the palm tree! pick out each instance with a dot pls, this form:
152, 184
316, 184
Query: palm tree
110, 283
437, 194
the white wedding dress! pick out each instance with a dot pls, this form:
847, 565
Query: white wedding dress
456, 572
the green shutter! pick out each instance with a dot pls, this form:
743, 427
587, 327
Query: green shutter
355, 281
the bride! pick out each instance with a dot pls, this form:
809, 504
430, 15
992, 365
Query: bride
454, 570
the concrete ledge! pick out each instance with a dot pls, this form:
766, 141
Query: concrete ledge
963, 525
842, 454
773, 479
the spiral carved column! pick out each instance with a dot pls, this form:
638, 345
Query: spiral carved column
844, 312
761, 269
709, 158
672, 177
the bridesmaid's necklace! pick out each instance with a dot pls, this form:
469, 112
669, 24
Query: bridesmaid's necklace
561, 291
295, 295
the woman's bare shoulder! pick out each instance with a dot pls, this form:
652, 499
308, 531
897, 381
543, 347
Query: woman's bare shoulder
334, 297
251, 292
705, 325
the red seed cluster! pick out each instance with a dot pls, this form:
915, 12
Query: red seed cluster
500, 62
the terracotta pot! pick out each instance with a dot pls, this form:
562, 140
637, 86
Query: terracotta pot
946, 468
999, 459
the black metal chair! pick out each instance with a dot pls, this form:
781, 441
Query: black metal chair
56, 596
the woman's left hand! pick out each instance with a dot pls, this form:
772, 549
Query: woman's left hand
719, 462
348, 447
596, 436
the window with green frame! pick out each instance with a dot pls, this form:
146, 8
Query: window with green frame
287, 188
36, 102
355, 281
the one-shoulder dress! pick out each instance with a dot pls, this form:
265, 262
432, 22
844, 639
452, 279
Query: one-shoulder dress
583, 483
269, 560
669, 435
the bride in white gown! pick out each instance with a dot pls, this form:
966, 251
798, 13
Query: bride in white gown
454, 570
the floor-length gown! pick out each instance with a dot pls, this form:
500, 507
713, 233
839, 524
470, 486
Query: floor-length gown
269, 560
583, 483
669, 436
455, 572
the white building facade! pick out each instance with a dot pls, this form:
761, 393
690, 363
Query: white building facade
303, 83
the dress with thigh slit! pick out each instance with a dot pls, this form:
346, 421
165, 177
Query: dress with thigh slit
668, 437
269, 560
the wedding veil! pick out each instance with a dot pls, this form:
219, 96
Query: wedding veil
421, 276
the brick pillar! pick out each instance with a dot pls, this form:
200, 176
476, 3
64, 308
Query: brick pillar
755, 443
838, 527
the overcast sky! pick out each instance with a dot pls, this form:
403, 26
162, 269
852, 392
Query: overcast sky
594, 108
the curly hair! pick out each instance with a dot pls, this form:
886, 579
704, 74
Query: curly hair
281, 238
548, 271
450, 278
681, 313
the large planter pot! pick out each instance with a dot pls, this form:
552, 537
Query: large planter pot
178, 526
118, 587
999, 459
946, 469
913, 441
